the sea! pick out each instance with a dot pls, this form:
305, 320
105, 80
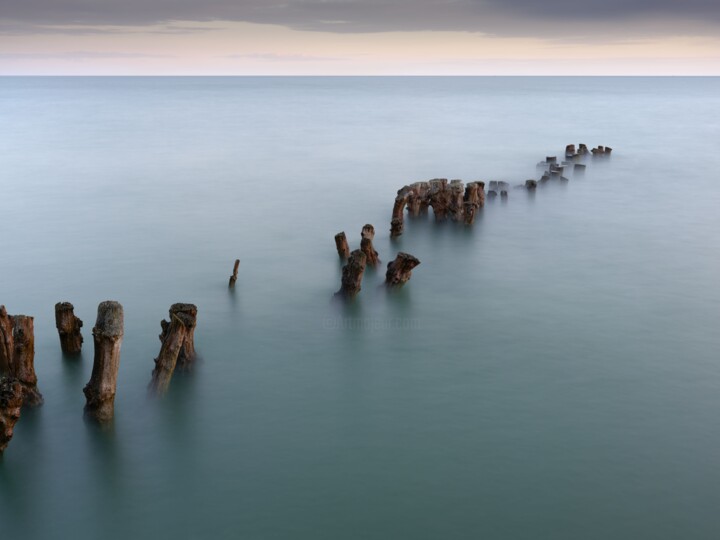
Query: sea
550, 372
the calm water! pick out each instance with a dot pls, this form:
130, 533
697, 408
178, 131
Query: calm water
553, 372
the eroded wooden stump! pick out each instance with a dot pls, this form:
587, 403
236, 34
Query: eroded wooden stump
11, 402
17, 354
6, 341
397, 223
233, 277
474, 199
352, 274
107, 337
399, 271
341, 244
177, 349
188, 314
68, 327
24, 359
366, 245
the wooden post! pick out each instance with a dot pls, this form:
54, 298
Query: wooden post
418, 198
366, 245
17, 354
174, 336
6, 341
397, 223
11, 401
439, 198
107, 337
341, 244
188, 315
473, 200
68, 326
23, 367
233, 278
400, 270
456, 207
352, 274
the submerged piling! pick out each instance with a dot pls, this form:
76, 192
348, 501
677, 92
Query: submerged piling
17, 354
352, 274
11, 401
233, 277
177, 349
341, 244
366, 245
399, 271
107, 338
68, 327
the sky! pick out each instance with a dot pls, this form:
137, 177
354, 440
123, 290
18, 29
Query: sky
359, 37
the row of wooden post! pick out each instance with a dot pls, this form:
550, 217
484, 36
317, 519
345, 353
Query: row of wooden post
398, 272
18, 382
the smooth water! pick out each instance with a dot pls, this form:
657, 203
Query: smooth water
551, 372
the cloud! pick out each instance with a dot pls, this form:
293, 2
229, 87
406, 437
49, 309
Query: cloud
77, 55
547, 18
274, 57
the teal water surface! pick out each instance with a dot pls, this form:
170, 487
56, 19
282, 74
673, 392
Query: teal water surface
552, 372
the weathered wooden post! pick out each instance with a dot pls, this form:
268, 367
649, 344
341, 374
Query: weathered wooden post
474, 199
24, 359
11, 402
366, 245
233, 278
352, 274
107, 337
418, 200
175, 337
439, 198
397, 222
68, 327
188, 315
456, 206
341, 244
6, 341
17, 354
399, 271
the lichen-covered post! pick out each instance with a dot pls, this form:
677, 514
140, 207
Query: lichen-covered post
172, 338
233, 277
11, 402
68, 327
107, 337
341, 244
352, 274
366, 245
399, 271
